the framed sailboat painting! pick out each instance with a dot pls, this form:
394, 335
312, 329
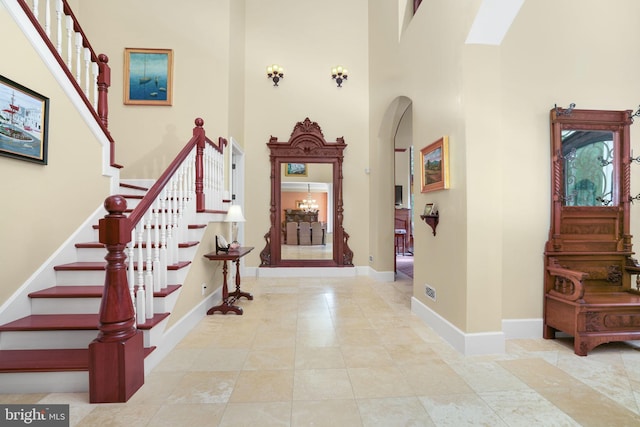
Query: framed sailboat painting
148, 76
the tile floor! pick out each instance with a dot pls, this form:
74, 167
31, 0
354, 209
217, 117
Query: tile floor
348, 352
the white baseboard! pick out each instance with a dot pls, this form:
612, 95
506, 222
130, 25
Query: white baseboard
522, 328
467, 344
385, 276
181, 329
44, 382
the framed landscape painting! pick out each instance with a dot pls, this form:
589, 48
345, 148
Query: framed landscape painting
434, 166
24, 119
148, 76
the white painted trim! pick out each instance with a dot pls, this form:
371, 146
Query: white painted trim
522, 328
383, 276
44, 382
181, 329
467, 344
304, 271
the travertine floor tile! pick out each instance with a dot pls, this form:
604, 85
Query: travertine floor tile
263, 414
263, 386
325, 413
394, 411
348, 352
386, 381
319, 384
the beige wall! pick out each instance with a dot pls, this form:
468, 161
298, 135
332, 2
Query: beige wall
425, 68
43, 205
307, 38
198, 32
581, 54
493, 102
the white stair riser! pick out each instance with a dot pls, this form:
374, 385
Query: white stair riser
188, 234
33, 340
91, 254
98, 254
27, 340
90, 305
65, 305
44, 382
96, 277
153, 336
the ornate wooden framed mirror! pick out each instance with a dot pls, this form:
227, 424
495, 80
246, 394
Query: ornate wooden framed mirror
306, 146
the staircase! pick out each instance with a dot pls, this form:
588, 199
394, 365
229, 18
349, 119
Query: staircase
50, 345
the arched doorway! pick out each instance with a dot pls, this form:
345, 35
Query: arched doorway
396, 142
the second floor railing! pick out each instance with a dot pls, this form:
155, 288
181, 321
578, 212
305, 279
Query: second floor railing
87, 71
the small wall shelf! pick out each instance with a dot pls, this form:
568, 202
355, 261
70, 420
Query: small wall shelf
432, 220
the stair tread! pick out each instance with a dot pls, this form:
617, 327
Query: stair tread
48, 360
133, 186
100, 265
98, 245
88, 291
67, 322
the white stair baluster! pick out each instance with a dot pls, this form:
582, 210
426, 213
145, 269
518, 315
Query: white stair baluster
140, 298
169, 227
36, 6
87, 74
47, 19
148, 277
175, 231
131, 271
163, 240
59, 11
78, 57
69, 40
131, 275
181, 220
157, 285
94, 79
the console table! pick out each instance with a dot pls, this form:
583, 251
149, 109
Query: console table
228, 298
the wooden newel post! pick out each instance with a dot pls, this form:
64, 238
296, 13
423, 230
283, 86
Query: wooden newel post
116, 356
198, 132
104, 81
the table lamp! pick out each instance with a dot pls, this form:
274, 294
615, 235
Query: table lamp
234, 216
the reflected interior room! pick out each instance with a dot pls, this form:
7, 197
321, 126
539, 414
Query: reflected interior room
307, 213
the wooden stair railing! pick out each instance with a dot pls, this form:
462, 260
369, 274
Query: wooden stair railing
88, 72
191, 183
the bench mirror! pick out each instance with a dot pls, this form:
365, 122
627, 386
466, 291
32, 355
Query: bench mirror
589, 291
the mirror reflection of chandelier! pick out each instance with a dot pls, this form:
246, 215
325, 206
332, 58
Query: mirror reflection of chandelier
309, 204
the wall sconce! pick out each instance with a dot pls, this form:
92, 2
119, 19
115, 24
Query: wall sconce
275, 73
339, 74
